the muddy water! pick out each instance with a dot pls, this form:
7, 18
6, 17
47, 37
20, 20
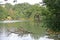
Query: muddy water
19, 30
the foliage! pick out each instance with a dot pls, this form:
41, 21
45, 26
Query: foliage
20, 9
3, 13
54, 20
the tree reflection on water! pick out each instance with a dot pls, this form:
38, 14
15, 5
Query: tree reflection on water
22, 31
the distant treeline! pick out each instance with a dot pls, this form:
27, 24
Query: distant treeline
18, 11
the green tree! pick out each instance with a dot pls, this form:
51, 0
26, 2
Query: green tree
54, 20
8, 6
3, 13
20, 9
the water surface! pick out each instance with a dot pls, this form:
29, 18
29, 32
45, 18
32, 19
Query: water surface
22, 30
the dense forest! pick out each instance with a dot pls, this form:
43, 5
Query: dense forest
18, 11
54, 20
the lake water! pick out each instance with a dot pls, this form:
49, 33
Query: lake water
22, 30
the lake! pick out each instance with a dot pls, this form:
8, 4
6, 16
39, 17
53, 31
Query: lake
22, 30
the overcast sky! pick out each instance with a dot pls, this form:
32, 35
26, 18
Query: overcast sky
20, 1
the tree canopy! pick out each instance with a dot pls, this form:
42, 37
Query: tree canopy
54, 7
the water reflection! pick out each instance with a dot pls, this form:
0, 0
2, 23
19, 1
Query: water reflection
14, 36
22, 31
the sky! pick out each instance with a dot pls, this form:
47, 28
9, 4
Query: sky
20, 1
